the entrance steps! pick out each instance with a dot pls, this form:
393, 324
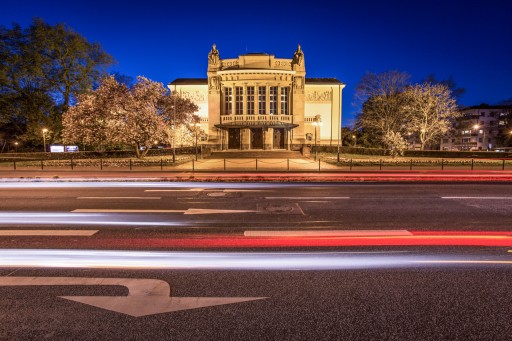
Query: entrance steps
255, 154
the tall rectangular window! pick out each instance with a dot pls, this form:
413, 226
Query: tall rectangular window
250, 100
262, 100
285, 100
239, 100
228, 101
273, 100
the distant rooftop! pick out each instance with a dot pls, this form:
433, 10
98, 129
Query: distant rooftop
190, 81
322, 81
487, 106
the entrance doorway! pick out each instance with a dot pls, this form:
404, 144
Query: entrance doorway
256, 138
234, 138
278, 138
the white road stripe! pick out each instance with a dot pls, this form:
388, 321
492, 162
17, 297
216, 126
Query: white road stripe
307, 198
484, 198
328, 233
115, 198
175, 190
100, 210
57, 233
188, 211
203, 189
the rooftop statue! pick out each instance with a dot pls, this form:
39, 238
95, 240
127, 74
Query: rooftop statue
213, 55
298, 56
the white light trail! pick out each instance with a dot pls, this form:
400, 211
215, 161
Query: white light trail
236, 260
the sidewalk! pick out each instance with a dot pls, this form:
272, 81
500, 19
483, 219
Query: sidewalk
249, 170
260, 176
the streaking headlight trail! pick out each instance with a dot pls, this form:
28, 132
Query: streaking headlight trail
239, 261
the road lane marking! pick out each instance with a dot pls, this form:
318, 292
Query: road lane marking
203, 189
484, 198
145, 296
101, 210
307, 198
327, 233
77, 233
115, 198
187, 211
175, 190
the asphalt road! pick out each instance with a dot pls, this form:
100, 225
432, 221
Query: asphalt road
435, 262
460, 303
183, 207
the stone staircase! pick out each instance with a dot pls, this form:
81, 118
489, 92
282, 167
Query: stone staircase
255, 154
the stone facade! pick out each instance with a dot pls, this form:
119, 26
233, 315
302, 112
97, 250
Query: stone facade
257, 101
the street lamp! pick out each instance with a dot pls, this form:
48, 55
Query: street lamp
317, 122
44, 139
16, 146
354, 137
195, 126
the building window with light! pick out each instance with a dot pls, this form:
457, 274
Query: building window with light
250, 100
285, 97
228, 101
239, 100
262, 100
273, 100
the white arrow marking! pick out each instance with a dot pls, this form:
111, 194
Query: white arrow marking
145, 296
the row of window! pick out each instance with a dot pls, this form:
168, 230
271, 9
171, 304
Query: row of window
276, 96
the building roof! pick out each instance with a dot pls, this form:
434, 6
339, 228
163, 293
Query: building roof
204, 81
486, 106
323, 81
189, 81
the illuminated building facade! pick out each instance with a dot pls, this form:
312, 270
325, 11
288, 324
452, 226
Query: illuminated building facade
260, 102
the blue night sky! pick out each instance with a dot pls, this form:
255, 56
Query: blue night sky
470, 40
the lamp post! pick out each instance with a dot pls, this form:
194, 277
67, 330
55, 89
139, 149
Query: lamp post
173, 141
195, 126
316, 123
354, 137
16, 146
44, 139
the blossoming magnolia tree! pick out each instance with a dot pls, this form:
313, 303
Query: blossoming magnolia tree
114, 114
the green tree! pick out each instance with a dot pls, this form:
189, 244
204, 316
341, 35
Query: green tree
42, 70
383, 103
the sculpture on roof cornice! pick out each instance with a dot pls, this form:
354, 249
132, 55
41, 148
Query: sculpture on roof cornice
213, 55
298, 56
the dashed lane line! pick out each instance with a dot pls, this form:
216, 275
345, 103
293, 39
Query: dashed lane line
56, 233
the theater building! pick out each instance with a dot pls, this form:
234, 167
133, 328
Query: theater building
260, 102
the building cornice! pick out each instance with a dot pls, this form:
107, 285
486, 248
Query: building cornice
255, 71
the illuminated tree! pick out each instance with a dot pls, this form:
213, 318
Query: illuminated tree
115, 114
432, 108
